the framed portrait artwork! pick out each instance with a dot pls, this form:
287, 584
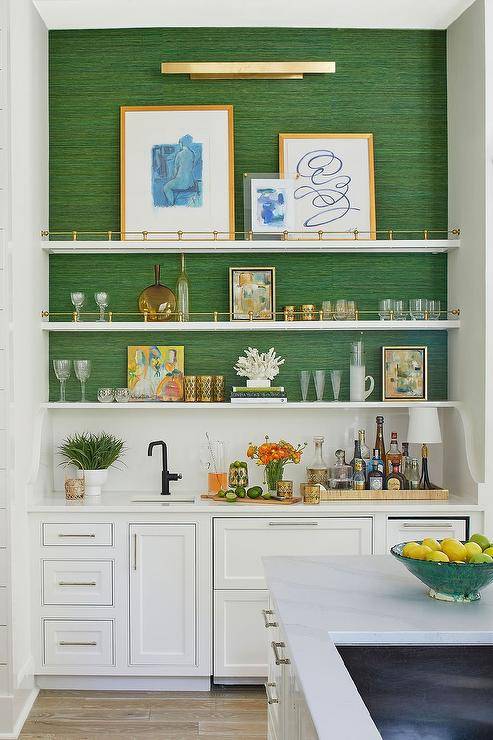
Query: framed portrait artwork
252, 293
156, 373
176, 170
335, 183
405, 373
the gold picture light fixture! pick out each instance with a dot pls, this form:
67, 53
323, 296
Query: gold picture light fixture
247, 70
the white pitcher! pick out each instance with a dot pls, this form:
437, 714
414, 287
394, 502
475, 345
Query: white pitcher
357, 374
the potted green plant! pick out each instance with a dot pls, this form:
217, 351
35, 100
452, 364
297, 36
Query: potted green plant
93, 454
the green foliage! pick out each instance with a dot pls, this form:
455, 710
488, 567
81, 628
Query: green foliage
88, 451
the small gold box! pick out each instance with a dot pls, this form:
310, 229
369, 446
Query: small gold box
204, 388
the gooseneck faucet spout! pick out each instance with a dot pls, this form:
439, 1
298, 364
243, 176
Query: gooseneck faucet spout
166, 476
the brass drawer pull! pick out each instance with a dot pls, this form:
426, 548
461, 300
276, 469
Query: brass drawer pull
77, 583
63, 643
275, 648
270, 699
267, 622
62, 534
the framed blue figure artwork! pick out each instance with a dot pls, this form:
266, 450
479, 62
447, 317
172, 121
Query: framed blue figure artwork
177, 172
334, 193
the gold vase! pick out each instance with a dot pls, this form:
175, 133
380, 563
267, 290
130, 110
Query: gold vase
157, 302
204, 388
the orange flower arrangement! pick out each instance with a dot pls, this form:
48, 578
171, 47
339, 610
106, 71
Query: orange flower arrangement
275, 455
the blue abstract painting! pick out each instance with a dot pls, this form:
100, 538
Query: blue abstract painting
271, 205
177, 174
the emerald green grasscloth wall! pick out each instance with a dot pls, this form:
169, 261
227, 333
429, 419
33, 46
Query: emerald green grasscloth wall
391, 83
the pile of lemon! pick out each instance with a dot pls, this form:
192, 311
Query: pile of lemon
478, 549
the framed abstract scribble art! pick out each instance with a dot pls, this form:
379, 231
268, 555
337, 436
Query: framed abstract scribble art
335, 184
176, 170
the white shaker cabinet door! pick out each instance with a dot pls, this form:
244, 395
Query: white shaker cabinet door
163, 593
240, 643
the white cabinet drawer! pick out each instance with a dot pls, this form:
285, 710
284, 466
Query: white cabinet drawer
78, 582
76, 533
240, 543
240, 639
406, 530
78, 642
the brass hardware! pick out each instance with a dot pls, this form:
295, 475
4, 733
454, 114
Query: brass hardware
144, 235
74, 316
64, 643
278, 659
110, 233
427, 316
77, 583
215, 315
390, 234
285, 235
250, 315
247, 70
180, 234
356, 233
266, 613
250, 236
321, 315
320, 235
180, 315
110, 316
214, 235
356, 315
391, 315
44, 233
74, 236
60, 534
45, 314
426, 234
456, 232
270, 699
145, 315
455, 312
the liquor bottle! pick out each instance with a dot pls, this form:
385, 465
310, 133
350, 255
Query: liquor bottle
424, 481
357, 453
395, 481
412, 473
359, 478
183, 293
380, 442
394, 455
365, 451
376, 458
405, 456
318, 471
157, 301
376, 478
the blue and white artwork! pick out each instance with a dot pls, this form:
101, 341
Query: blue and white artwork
177, 174
271, 202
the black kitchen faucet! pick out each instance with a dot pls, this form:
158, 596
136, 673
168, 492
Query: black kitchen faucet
166, 476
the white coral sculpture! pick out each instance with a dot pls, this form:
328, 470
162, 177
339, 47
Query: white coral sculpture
258, 365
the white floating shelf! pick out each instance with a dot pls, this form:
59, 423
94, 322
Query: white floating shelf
211, 326
297, 405
326, 246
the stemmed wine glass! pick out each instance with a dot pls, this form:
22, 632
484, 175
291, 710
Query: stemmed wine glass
77, 298
82, 371
62, 371
102, 299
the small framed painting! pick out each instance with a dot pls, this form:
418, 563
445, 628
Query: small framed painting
335, 183
156, 373
252, 293
271, 205
405, 373
177, 170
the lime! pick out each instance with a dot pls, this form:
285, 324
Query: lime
231, 496
240, 492
481, 557
266, 494
254, 492
482, 541
489, 551
221, 493
472, 549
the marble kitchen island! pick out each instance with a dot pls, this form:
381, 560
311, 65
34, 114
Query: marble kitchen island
370, 614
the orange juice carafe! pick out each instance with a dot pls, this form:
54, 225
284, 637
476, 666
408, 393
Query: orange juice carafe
213, 462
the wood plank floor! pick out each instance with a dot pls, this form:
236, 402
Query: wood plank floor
229, 714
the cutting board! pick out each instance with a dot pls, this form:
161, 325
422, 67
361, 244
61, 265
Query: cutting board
246, 500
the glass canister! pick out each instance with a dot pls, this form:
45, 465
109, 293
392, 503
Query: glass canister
317, 471
212, 459
238, 474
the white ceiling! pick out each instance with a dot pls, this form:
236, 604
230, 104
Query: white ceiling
271, 13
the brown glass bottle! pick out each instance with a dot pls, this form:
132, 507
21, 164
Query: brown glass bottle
394, 455
395, 481
380, 442
157, 301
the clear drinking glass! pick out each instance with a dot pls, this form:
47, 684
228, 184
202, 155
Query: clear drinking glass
335, 379
82, 371
304, 383
213, 462
319, 378
77, 298
326, 310
106, 395
340, 311
351, 309
62, 370
400, 310
418, 308
434, 310
385, 307
102, 299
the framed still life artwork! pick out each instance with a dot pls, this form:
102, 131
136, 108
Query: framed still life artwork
252, 293
335, 184
176, 170
271, 205
405, 373
156, 373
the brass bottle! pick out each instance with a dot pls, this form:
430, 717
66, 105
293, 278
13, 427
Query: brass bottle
158, 301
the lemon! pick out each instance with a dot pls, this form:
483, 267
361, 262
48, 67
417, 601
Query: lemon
420, 552
433, 544
482, 541
408, 548
481, 557
437, 556
472, 549
489, 551
454, 549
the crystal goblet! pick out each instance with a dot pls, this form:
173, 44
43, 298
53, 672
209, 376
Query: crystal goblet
82, 371
62, 370
77, 298
102, 299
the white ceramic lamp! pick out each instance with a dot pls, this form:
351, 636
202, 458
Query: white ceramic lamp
424, 426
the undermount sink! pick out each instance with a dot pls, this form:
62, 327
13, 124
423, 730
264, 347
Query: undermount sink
164, 500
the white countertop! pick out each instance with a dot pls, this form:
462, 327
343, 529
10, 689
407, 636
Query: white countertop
128, 501
346, 600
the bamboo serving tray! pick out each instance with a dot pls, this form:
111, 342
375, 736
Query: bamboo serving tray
246, 500
439, 494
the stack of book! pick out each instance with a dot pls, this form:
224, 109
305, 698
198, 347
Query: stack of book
273, 396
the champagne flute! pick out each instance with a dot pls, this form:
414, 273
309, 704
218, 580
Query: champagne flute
82, 371
319, 378
304, 383
77, 298
62, 371
335, 379
102, 299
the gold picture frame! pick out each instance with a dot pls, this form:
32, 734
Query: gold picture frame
252, 293
413, 384
221, 233
368, 233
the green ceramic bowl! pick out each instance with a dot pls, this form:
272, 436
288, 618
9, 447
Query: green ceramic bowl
448, 581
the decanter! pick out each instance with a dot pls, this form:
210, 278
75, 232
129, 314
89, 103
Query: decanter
182, 292
318, 471
157, 301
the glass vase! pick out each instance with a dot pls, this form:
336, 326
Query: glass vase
274, 471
